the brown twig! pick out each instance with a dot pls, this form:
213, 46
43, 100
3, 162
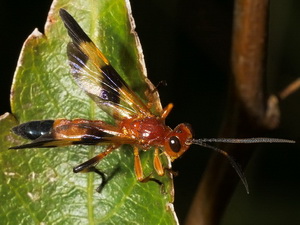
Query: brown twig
250, 111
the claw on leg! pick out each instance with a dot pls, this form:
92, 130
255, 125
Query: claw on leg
89, 166
139, 170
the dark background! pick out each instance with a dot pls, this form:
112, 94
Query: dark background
187, 43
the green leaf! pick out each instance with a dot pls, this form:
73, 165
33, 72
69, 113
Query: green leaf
37, 186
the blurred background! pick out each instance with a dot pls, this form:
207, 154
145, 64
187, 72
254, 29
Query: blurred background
187, 43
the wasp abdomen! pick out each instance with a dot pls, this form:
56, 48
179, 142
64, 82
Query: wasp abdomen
34, 129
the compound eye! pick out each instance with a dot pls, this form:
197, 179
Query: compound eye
174, 144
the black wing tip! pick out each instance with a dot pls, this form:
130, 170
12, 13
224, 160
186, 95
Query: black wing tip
63, 12
39, 143
14, 147
65, 15
30, 145
74, 30
23, 146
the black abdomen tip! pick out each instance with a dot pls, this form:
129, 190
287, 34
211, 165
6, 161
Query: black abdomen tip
34, 129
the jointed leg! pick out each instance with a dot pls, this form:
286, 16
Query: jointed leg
157, 163
166, 111
139, 170
160, 169
138, 165
101, 174
89, 166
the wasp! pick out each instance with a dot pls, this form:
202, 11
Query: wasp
135, 123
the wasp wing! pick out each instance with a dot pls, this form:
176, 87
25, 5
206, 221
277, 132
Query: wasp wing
49, 142
94, 74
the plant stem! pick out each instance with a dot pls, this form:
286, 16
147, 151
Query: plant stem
251, 112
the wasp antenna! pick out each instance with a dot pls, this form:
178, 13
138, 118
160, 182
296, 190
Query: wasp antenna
233, 163
243, 140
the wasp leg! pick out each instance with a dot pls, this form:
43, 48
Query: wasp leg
138, 165
89, 166
167, 110
101, 174
157, 163
170, 171
160, 83
139, 170
160, 170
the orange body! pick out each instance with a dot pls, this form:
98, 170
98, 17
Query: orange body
146, 132
142, 133
135, 122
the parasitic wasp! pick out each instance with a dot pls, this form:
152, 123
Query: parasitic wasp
136, 123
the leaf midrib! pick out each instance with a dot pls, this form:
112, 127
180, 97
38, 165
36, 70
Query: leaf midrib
91, 176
